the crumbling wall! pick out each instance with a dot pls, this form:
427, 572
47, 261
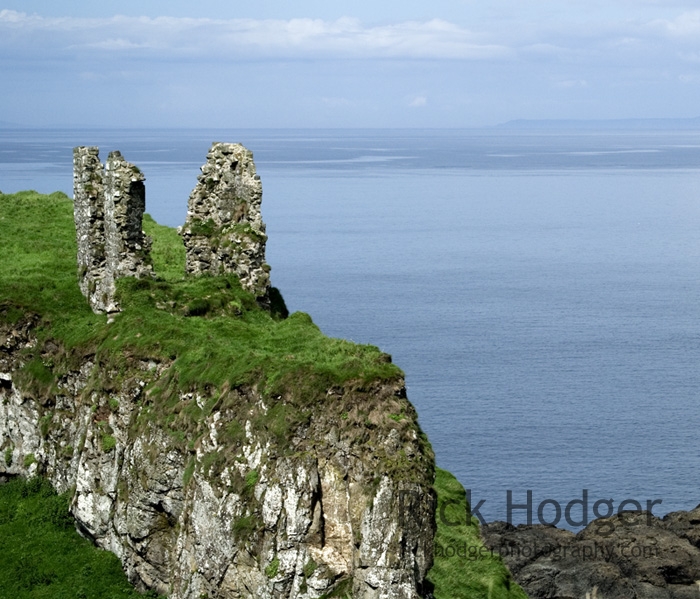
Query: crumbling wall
127, 248
224, 231
109, 203
89, 215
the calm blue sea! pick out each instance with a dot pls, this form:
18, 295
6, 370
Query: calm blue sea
540, 290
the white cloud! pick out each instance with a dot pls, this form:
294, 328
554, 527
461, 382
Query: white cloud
418, 101
115, 45
343, 38
589, 43
686, 24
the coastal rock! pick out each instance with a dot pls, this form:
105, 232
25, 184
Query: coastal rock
633, 555
232, 511
224, 231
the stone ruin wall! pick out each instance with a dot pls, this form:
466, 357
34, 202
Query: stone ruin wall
89, 214
127, 248
108, 208
223, 233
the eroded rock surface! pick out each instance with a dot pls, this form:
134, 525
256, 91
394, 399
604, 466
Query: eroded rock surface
629, 556
224, 231
230, 510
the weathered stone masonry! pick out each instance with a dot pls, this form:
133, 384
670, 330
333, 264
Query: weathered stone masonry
224, 231
127, 247
108, 209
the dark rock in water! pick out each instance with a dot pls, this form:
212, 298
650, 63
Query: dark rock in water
633, 555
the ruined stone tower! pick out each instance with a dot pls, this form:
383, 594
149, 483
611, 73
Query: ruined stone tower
224, 231
108, 209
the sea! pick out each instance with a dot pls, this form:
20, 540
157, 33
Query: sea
539, 288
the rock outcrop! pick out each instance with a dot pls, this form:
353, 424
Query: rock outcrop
633, 555
241, 490
224, 231
109, 203
220, 519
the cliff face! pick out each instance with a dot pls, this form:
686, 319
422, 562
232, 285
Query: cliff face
250, 519
216, 450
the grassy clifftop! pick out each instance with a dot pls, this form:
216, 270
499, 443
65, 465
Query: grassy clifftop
212, 334
209, 326
215, 339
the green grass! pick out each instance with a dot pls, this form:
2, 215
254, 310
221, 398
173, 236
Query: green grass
211, 333
168, 251
464, 568
41, 554
216, 341
212, 329
38, 271
272, 569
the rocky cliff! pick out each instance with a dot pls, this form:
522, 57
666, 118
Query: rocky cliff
217, 449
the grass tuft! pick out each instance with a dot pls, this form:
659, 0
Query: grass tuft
464, 568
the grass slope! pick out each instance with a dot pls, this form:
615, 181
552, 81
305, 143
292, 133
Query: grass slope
41, 554
464, 568
233, 342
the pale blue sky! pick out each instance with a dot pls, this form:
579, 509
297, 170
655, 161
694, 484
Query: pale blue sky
442, 63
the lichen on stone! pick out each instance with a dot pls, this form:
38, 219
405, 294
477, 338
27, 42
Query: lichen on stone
224, 231
109, 203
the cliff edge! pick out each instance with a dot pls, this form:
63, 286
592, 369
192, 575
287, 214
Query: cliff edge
216, 447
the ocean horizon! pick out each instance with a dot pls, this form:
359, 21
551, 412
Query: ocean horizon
540, 289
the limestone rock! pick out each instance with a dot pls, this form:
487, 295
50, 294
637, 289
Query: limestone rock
217, 518
224, 231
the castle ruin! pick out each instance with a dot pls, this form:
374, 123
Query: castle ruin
223, 233
108, 208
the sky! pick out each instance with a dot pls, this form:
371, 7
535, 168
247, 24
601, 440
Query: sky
312, 63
